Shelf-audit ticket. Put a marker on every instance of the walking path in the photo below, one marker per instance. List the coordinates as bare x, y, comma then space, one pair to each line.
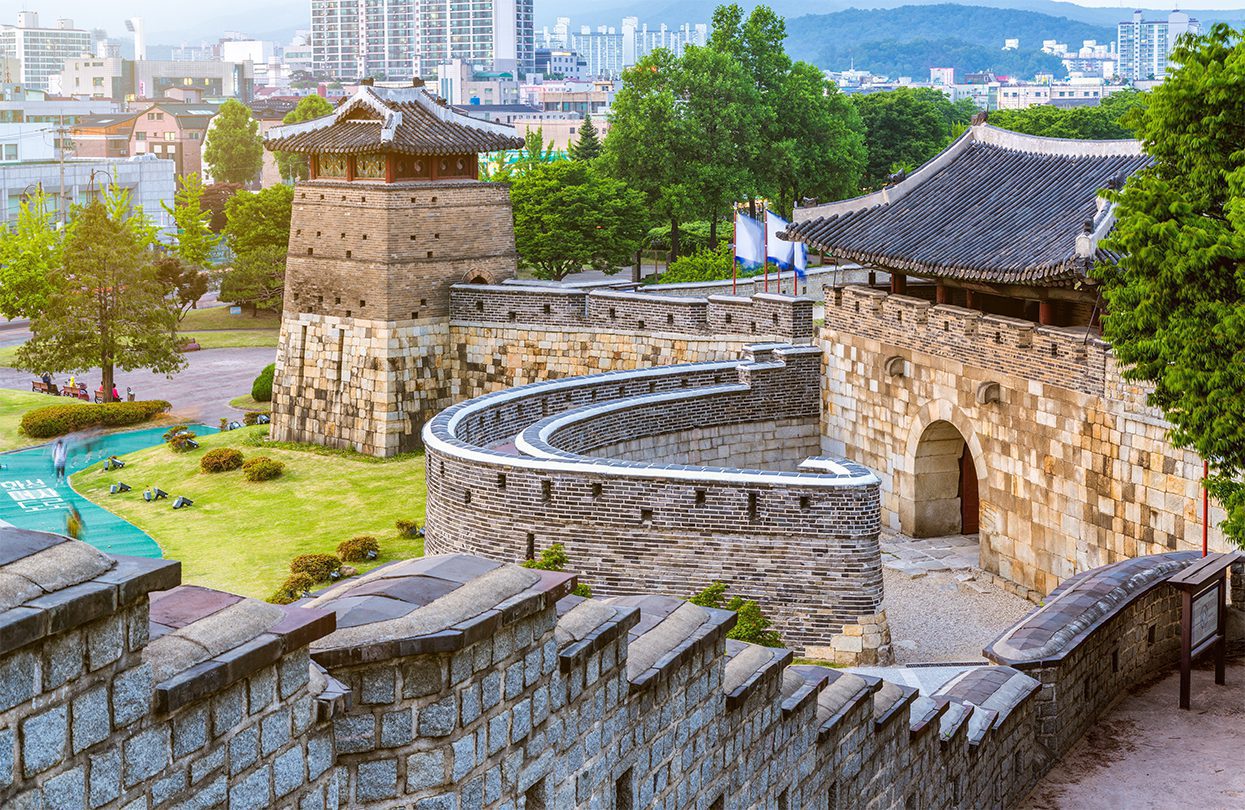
31, 497
200, 392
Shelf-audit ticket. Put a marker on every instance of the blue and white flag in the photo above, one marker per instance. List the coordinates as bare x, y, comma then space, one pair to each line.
801, 259
749, 242
780, 251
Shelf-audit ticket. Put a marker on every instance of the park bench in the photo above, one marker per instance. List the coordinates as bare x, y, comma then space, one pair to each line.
44, 388
77, 393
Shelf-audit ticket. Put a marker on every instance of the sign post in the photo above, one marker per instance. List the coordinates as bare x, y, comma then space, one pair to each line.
1203, 590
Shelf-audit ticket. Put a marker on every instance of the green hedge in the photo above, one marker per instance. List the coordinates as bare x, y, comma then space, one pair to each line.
262, 468
57, 420
222, 459
261, 389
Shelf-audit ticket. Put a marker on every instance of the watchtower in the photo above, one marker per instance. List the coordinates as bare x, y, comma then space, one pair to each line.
392, 216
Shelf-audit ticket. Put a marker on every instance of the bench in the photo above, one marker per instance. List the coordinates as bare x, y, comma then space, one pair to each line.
77, 393
41, 387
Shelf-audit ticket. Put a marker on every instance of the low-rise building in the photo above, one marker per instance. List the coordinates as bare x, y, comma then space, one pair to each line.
150, 182
173, 131
103, 136
127, 79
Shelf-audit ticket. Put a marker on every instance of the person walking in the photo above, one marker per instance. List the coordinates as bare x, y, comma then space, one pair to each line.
60, 455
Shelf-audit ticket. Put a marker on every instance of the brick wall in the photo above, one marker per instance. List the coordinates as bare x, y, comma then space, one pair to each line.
1074, 471
804, 545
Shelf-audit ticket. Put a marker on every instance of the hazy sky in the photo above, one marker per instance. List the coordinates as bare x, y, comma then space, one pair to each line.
266, 15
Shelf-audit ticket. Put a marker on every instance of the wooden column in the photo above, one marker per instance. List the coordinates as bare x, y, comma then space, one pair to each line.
970, 300
899, 283
349, 167
942, 294
391, 169
1046, 313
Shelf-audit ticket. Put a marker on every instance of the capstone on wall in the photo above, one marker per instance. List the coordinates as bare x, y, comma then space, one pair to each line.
1073, 469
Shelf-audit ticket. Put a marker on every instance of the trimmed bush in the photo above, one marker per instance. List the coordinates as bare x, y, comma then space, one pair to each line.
261, 389
250, 418
222, 459
262, 468
407, 528
180, 439
317, 566
292, 589
57, 420
359, 549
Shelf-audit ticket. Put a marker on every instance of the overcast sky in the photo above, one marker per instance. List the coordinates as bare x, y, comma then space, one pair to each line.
213, 17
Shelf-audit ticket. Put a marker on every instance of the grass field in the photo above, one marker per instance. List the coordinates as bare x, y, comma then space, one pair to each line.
248, 403
235, 339
12, 405
219, 318
239, 536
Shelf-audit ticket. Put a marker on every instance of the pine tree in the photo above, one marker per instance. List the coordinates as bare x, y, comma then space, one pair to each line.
234, 150
589, 145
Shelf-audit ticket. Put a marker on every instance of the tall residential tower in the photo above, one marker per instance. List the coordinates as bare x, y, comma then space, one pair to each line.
1144, 45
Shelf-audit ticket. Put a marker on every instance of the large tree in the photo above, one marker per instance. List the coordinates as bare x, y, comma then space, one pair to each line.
234, 150
568, 216
1112, 119
295, 165
588, 145
1175, 301
258, 233
906, 127
108, 309
28, 254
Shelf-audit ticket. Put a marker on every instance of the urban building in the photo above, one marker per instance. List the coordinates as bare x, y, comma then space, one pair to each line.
1144, 45
262, 54
28, 142
19, 104
149, 181
494, 35
500, 113
593, 98
41, 52
560, 64
173, 131
944, 76
103, 136
459, 82
128, 80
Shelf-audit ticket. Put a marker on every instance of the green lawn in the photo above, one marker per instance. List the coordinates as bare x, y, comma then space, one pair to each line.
235, 339
239, 536
248, 403
219, 318
12, 405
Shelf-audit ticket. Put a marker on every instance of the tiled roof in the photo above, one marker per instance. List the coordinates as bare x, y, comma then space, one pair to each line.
994, 206
407, 121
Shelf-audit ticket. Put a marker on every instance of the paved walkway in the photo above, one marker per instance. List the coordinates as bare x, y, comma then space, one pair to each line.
1147, 753
200, 392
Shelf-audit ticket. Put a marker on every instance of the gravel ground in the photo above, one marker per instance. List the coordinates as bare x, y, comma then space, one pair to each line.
936, 617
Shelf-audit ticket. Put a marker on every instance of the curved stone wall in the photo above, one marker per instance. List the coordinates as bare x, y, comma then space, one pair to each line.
513, 472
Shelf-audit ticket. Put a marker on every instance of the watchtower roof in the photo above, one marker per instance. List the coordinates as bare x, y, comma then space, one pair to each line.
994, 206
403, 120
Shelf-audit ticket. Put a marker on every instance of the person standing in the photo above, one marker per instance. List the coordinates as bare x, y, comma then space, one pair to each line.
60, 454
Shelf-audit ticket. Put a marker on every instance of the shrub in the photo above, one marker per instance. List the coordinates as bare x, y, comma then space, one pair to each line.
222, 459
359, 549
317, 566
751, 625
57, 420
250, 418
407, 528
261, 389
554, 559
292, 589
180, 439
262, 468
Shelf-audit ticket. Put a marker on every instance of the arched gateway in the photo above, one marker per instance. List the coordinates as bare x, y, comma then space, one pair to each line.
945, 498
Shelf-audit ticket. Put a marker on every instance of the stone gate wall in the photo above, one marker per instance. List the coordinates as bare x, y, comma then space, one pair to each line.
1074, 470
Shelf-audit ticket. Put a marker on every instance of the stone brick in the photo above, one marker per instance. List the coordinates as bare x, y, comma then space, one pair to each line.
292, 673
91, 722
426, 770
288, 771
66, 791
355, 734
145, 754
396, 729
18, 675
131, 695
228, 709
105, 642
44, 739
163, 790
275, 731
378, 685
243, 750
8, 756
438, 719
377, 780
262, 690
105, 778
319, 755
62, 660
252, 792
190, 731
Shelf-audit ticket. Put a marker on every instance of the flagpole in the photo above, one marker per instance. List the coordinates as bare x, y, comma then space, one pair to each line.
734, 247
765, 242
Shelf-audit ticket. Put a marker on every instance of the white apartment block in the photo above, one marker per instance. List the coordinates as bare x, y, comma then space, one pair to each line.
41, 52
1144, 45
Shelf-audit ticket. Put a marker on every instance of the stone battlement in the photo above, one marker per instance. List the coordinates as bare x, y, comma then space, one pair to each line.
689, 473
455, 681
765, 316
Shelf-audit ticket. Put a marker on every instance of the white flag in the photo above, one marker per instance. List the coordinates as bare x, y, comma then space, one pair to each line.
781, 252
749, 242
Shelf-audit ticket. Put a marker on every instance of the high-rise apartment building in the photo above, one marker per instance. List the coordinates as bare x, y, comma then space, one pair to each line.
1144, 45
398, 39
41, 52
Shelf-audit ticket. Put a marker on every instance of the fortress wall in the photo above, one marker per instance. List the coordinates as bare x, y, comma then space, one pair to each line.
1074, 470
803, 544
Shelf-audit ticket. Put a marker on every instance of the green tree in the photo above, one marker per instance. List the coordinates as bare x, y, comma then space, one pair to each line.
1175, 302
568, 216
184, 284
295, 165
234, 150
751, 624
644, 147
588, 147
108, 311
258, 233
194, 245
554, 559
28, 254
1109, 120
906, 127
